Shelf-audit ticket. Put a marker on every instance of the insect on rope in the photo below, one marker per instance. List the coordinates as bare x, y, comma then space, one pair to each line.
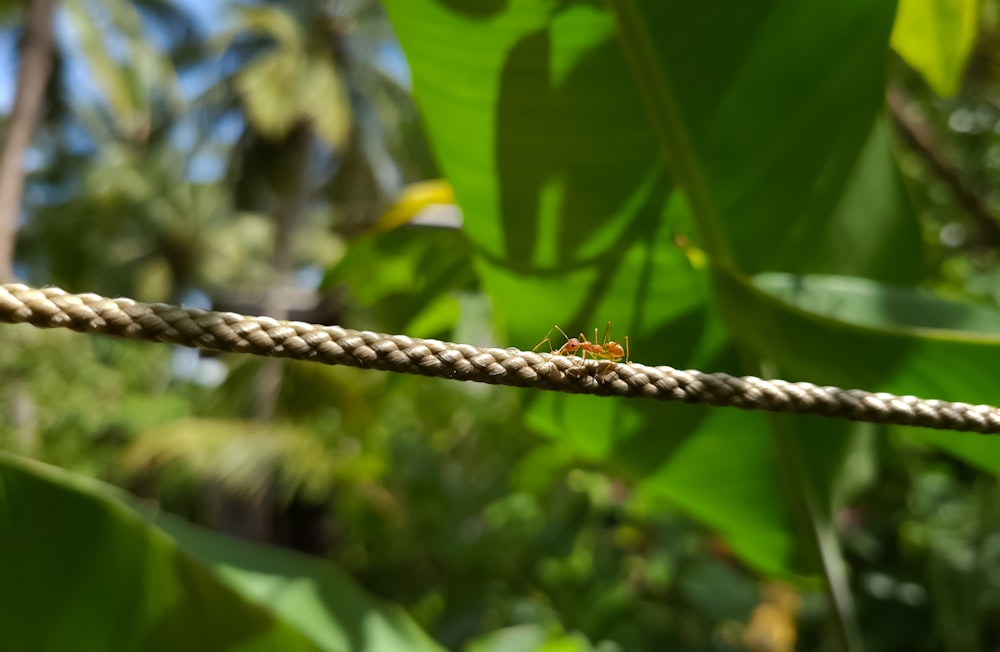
607, 352
608, 349
597, 371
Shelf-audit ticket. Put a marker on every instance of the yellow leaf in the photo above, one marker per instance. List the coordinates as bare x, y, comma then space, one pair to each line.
414, 198
936, 37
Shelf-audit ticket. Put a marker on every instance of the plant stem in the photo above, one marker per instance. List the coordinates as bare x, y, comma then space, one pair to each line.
656, 91
816, 529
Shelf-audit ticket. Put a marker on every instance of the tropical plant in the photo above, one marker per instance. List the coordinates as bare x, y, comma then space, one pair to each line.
725, 191
720, 182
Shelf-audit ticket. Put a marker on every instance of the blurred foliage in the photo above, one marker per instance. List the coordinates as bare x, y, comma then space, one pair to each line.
44, 415
259, 598
505, 520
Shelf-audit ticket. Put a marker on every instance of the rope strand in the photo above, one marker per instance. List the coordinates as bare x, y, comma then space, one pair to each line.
231, 332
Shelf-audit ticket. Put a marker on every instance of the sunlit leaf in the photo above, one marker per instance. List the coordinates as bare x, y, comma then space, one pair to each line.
936, 38
413, 199
419, 269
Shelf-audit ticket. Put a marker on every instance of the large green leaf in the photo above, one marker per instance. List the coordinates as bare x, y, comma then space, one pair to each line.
542, 128
85, 570
856, 332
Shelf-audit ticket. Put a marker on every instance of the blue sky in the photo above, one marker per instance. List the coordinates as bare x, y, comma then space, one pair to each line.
209, 14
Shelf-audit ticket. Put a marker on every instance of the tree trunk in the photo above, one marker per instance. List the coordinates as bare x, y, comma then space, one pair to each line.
32, 76
286, 216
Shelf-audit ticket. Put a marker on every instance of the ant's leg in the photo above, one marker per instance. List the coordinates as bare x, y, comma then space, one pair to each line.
587, 347
548, 340
607, 333
545, 341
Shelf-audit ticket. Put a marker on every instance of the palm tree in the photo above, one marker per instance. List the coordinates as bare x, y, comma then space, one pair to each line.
308, 101
130, 100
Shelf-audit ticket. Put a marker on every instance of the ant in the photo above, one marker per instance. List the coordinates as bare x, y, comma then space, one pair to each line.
608, 349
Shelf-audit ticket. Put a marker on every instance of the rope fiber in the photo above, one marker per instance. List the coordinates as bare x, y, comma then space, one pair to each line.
52, 307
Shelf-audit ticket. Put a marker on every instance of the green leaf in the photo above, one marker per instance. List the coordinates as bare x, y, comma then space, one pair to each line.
936, 38
83, 569
420, 269
857, 333
853, 332
529, 638
543, 126
309, 593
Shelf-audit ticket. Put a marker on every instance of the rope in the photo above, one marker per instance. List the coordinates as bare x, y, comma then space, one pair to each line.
230, 332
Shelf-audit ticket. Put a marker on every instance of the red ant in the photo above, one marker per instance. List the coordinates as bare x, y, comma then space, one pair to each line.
607, 350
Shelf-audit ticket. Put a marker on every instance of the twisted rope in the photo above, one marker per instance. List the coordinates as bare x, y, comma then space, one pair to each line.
226, 331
